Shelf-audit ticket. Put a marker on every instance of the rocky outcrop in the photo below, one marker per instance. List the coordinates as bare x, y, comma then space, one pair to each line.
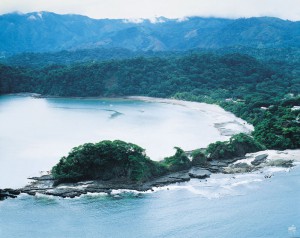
47, 184
8, 193
199, 173
256, 161
259, 159
169, 179
238, 168
281, 163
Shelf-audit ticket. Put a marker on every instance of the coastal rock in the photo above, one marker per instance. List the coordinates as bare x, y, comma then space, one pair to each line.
71, 190
46, 184
68, 193
216, 166
199, 173
241, 165
170, 178
12, 191
8, 193
43, 177
215, 169
218, 163
281, 163
259, 159
238, 168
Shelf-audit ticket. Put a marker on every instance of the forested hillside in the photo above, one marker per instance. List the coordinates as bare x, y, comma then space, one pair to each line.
69, 57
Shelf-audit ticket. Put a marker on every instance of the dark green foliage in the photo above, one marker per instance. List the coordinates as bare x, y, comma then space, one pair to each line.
107, 160
200, 76
128, 162
277, 126
38, 60
177, 162
198, 158
237, 146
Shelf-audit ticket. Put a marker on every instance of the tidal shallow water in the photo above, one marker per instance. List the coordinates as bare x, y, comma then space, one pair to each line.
36, 133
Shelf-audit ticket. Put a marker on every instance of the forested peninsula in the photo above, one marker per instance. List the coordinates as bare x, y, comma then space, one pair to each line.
112, 165
107, 165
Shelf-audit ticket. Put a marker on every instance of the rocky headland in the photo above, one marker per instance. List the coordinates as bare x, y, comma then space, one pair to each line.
46, 184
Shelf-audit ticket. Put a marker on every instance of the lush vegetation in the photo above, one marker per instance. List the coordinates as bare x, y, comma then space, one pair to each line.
277, 126
107, 160
237, 146
199, 158
40, 60
262, 91
127, 162
201, 77
179, 161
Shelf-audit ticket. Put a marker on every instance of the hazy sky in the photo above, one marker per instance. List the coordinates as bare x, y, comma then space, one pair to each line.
286, 9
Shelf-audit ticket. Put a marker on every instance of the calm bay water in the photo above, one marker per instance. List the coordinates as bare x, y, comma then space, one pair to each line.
35, 133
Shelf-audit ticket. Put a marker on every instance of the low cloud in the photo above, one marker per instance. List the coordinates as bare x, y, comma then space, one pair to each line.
135, 9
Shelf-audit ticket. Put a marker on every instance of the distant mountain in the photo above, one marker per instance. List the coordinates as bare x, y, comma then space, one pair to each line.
45, 31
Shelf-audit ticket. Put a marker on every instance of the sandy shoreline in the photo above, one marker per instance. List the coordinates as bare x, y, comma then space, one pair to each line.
227, 125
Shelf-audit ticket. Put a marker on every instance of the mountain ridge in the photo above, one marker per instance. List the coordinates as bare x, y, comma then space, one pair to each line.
49, 32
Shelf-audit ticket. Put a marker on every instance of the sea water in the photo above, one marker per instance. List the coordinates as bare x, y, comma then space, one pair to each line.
245, 206
36, 132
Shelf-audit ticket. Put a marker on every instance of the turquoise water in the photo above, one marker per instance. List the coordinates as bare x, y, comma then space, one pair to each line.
35, 133
262, 209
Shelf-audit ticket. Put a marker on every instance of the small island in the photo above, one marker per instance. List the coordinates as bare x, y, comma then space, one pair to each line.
109, 165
